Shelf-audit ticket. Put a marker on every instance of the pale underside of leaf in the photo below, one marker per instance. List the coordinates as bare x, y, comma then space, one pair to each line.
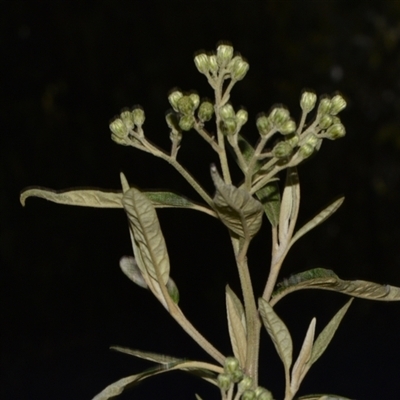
147, 234
131, 269
357, 288
236, 208
236, 326
108, 199
278, 332
317, 220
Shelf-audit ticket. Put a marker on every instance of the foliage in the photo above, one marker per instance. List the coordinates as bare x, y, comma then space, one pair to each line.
270, 188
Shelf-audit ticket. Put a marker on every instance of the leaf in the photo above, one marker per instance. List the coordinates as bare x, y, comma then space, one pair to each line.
300, 369
130, 268
236, 326
322, 397
198, 397
278, 332
110, 199
317, 220
173, 290
325, 337
147, 234
236, 208
146, 355
320, 278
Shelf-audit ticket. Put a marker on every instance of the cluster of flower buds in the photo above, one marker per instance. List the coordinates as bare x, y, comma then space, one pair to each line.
232, 122
259, 393
277, 121
126, 122
223, 62
184, 105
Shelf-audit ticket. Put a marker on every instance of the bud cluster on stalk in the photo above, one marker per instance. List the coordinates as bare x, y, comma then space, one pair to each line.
127, 121
232, 122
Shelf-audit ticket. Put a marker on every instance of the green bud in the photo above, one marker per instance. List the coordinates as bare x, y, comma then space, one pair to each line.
338, 104
307, 101
282, 150
186, 122
195, 100
226, 112
118, 128
312, 140
288, 127
231, 365
229, 126
212, 62
248, 395
279, 116
224, 382
138, 116
263, 394
126, 117
185, 105
306, 150
241, 117
237, 376
224, 54
238, 69
245, 384
206, 111
336, 131
264, 125
293, 140
173, 99
201, 62
324, 106
325, 121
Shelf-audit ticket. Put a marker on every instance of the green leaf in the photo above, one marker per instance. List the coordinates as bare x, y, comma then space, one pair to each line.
146, 230
278, 332
327, 334
322, 397
317, 220
146, 355
236, 208
236, 326
173, 290
324, 279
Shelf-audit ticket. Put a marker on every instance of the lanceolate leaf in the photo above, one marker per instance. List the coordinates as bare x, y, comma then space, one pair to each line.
317, 220
147, 235
104, 199
326, 335
322, 397
236, 208
320, 278
236, 326
278, 332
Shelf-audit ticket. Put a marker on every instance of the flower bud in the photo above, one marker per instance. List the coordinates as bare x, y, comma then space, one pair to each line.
248, 395
336, 131
263, 394
241, 117
288, 127
307, 101
324, 106
264, 125
226, 112
195, 100
325, 121
185, 105
201, 62
138, 116
312, 140
245, 384
206, 111
231, 365
224, 54
293, 140
224, 382
212, 62
239, 69
127, 119
282, 150
279, 116
237, 376
229, 126
173, 99
118, 128
306, 150
186, 122
338, 104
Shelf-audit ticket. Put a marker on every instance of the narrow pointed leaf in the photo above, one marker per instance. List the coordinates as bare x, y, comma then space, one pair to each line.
317, 220
300, 369
147, 235
320, 278
147, 355
325, 337
322, 397
198, 397
124, 182
278, 332
236, 208
236, 326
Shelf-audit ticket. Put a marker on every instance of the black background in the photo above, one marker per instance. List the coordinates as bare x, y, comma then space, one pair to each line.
68, 68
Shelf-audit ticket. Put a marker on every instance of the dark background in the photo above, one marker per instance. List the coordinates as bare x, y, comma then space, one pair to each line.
67, 68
